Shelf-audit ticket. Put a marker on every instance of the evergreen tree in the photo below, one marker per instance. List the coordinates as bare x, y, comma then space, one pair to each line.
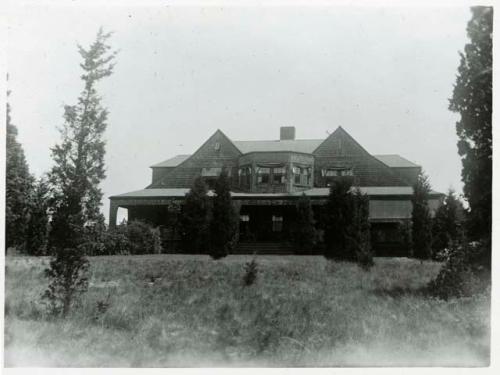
304, 233
195, 218
75, 178
338, 218
224, 221
446, 223
67, 273
18, 187
79, 158
472, 99
358, 232
38, 223
421, 218
470, 261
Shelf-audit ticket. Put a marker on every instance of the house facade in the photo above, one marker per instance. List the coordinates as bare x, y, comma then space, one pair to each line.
267, 178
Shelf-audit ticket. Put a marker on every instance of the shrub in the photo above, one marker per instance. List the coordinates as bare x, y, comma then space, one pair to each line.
251, 271
462, 275
142, 238
68, 279
116, 241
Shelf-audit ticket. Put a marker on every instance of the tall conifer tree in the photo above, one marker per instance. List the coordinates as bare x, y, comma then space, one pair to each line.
304, 233
421, 218
338, 218
446, 224
75, 178
224, 222
18, 187
79, 157
472, 99
195, 218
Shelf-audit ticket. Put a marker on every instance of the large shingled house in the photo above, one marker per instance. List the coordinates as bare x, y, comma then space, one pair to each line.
268, 177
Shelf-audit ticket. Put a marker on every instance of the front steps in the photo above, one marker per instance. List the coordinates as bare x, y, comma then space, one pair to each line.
264, 248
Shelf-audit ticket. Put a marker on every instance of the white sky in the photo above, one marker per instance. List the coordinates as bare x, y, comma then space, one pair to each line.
384, 73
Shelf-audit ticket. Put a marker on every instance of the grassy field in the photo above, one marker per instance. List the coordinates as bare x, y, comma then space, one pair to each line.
179, 310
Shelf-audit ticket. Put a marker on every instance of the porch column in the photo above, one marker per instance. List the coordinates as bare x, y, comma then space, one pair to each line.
113, 211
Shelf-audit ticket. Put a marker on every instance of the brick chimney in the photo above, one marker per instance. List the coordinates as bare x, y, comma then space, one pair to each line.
287, 133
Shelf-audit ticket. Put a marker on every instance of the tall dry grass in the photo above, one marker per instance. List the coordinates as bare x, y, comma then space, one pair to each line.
178, 310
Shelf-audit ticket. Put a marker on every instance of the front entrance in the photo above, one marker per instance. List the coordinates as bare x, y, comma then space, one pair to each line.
266, 223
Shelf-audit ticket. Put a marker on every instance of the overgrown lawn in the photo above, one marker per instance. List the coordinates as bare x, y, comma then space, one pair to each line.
180, 310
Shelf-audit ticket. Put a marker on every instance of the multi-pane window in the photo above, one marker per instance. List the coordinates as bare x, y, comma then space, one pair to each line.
301, 175
336, 172
278, 175
277, 223
245, 176
211, 172
263, 174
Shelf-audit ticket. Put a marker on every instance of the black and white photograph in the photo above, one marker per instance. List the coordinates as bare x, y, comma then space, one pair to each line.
215, 184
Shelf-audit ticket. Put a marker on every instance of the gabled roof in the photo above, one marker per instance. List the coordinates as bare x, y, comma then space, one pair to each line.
172, 162
297, 145
396, 161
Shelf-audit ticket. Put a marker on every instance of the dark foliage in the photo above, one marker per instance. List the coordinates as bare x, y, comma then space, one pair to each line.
224, 220
38, 223
135, 237
358, 232
142, 238
67, 280
404, 234
18, 189
304, 234
79, 158
338, 218
446, 225
462, 275
467, 269
421, 219
251, 271
75, 178
472, 99
195, 218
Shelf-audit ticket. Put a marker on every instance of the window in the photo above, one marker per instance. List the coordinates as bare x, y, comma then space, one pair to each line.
337, 172
263, 175
244, 218
302, 175
278, 175
211, 172
245, 176
277, 223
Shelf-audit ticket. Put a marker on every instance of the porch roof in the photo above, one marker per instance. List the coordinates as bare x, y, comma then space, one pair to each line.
373, 191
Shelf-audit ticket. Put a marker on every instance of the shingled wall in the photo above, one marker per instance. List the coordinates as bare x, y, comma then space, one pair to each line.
207, 156
341, 150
